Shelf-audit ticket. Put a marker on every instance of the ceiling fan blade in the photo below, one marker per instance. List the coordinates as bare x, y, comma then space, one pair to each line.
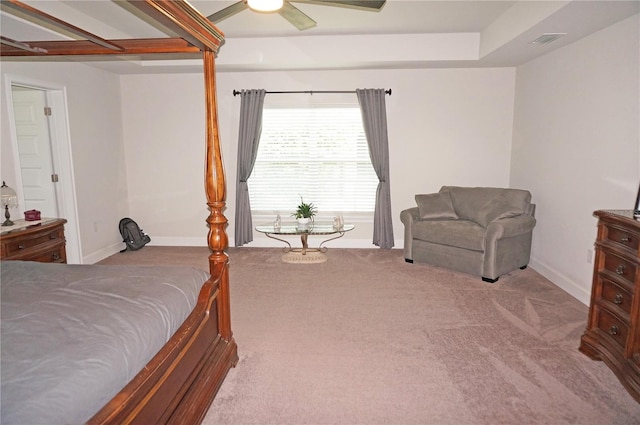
370, 5
228, 12
296, 17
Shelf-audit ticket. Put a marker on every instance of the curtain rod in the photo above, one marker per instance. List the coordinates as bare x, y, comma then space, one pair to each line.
311, 92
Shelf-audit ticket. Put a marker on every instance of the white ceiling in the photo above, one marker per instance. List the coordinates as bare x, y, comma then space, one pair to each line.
407, 34
396, 17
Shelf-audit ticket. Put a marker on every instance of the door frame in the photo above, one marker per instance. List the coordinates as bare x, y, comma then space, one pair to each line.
56, 98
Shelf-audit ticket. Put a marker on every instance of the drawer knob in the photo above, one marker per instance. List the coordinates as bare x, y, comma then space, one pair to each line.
53, 236
55, 256
20, 246
620, 269
618, 299
625, 239
614, 330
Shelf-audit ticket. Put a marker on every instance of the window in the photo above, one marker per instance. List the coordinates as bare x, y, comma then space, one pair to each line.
318, 153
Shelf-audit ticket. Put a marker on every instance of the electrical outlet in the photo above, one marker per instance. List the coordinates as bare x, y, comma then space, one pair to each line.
95, 227
589, 256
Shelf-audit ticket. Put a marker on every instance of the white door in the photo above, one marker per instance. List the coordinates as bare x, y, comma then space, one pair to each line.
34, 148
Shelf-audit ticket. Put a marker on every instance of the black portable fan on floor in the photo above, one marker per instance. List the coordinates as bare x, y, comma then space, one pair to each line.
294, 15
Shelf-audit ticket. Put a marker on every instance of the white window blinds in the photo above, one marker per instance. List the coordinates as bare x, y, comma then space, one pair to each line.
318, 153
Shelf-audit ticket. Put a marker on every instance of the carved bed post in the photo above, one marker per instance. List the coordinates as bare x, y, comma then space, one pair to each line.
215, 187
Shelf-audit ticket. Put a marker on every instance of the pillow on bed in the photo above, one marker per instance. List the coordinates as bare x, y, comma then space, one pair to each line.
499, 207
436, 206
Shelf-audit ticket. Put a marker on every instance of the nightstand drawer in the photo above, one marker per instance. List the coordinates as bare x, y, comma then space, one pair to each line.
18, 245
56, 255
615, 294
613, 327
623, 237
620, 267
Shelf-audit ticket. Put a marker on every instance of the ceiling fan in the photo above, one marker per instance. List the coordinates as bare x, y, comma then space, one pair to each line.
291, 13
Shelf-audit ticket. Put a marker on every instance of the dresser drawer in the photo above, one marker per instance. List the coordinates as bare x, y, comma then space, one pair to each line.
623, 237
614, 327
15, 246
620, 267
615, 294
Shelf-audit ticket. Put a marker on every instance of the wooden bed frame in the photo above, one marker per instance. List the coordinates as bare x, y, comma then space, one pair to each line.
180, 382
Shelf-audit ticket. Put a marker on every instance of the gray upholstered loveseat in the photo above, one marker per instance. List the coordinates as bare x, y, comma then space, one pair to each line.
483, 231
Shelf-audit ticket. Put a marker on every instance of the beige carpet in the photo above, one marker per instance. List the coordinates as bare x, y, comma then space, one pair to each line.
366, 338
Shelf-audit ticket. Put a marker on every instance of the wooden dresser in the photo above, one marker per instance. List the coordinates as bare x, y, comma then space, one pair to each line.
41, 241
613, 328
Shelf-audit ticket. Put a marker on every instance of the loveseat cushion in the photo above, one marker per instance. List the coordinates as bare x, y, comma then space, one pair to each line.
459, 233
436, 206
486, 204
502, 206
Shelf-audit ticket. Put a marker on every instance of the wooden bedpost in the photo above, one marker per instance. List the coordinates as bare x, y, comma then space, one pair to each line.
215, 187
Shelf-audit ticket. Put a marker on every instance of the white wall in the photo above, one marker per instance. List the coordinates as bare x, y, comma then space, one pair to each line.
446, 126
95, 129
576, 146
164, 130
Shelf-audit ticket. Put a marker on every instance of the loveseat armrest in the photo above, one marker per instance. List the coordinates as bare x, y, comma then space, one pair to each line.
408, 217
507, 245
510, 227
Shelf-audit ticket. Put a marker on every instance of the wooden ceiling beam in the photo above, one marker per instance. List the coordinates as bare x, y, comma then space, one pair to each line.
32, 14
84, 47
196, 32
181, 18
20, 46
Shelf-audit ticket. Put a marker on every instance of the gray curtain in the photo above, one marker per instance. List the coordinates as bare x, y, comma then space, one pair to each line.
374, 118
248, 138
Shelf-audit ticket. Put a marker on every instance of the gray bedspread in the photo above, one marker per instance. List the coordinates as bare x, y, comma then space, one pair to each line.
73, 335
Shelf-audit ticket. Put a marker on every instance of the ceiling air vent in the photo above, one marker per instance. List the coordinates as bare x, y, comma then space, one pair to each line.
548, 38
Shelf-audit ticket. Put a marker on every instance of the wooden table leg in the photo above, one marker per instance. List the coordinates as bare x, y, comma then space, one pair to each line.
303, 238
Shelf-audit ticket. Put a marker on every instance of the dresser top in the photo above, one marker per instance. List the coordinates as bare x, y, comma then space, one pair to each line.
22, 224
623, 217
623, 213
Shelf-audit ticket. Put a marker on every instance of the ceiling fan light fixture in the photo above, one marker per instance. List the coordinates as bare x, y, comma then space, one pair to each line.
265, 5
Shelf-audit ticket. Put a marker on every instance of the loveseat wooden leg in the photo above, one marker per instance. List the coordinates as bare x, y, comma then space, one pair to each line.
486, 279
408, 260
523, 267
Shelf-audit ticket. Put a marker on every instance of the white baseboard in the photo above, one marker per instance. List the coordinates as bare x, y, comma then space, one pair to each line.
178, 241
102, 254
562, 281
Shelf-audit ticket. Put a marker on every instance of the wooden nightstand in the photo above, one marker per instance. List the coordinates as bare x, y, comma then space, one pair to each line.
613, 329
41, 240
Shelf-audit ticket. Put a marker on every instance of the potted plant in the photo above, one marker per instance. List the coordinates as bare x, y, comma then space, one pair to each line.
304, 212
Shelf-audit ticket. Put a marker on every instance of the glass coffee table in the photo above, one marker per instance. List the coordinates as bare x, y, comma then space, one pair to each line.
304, 254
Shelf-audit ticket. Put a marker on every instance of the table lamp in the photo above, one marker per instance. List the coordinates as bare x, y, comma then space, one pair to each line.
9, 200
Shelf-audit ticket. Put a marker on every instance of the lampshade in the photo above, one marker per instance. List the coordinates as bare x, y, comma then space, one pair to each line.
8, 196
265, 5
9, 199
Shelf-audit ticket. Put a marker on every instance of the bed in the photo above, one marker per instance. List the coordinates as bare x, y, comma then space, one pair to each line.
179, 382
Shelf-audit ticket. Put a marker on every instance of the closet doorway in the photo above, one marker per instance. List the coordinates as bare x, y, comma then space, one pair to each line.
37, 170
